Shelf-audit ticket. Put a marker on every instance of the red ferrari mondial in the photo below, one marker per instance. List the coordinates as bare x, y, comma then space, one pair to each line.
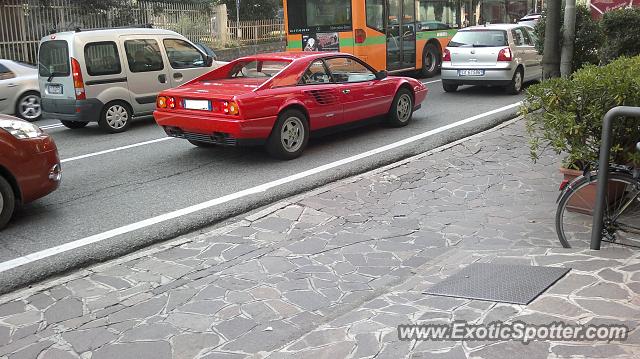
278, 99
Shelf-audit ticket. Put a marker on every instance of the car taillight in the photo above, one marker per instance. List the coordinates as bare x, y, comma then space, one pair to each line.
161, 102
230, 108
166, 102
505, 54
78, 82
446, 56
361, 36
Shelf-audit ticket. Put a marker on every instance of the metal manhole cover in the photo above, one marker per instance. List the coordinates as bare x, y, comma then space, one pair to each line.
515, 284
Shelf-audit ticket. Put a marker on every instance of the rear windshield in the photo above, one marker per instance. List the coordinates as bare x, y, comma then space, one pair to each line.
479, 38
54, 58
256, 69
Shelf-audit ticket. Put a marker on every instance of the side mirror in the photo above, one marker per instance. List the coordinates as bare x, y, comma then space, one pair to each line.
380, 75
209, 61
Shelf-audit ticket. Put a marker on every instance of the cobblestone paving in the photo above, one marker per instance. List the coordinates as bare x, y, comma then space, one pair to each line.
330, 274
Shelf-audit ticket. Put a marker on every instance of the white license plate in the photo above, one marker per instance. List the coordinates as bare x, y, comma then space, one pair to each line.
197, 105
54, 89
471, 72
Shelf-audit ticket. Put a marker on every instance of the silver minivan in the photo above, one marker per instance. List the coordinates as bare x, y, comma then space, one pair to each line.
499, 55
113, 75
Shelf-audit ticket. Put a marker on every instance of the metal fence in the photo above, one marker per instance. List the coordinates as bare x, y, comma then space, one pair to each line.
251, 32
24, 22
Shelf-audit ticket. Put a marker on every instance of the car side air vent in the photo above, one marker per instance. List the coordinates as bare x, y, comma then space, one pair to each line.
323, 97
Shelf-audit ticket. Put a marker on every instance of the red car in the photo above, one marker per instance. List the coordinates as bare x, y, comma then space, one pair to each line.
29, 165
278, 99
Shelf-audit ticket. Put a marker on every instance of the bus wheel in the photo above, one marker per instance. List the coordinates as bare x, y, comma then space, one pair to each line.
431, 60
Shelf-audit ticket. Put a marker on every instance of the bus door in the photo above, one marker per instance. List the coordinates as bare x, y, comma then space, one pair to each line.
401, 34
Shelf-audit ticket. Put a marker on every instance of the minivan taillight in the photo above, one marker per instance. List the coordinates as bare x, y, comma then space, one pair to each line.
505, 54
361, 36
446, 56
78, 82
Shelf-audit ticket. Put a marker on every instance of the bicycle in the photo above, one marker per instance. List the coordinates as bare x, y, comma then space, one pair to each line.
622, 212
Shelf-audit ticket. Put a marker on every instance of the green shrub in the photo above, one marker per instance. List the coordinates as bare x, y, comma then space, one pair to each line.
588, 37
621, 29
565, 114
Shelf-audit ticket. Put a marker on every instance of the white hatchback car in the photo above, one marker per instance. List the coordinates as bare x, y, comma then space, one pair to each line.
499, 55
19, 92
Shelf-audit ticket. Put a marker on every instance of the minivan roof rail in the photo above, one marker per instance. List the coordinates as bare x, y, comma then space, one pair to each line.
80, 29
135, 26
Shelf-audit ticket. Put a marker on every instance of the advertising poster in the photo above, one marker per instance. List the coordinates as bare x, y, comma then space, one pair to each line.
322, 41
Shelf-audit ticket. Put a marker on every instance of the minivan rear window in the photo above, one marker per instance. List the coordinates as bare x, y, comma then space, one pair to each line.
54, 58
479, 38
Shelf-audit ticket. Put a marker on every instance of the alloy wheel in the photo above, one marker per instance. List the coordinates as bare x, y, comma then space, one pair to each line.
518, 81
292, 134
30, 108
404, 107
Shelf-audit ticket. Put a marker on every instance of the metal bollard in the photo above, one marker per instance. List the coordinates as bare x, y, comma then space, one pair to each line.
603, 166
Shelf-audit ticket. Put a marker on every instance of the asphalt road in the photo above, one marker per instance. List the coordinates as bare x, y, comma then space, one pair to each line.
104, 192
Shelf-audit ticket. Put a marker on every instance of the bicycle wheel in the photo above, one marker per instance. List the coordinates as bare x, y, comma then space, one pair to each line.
574, 216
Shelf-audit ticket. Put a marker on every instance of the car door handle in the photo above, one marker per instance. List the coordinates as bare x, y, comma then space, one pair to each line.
12, 85
177, 75
346, 91
162, 78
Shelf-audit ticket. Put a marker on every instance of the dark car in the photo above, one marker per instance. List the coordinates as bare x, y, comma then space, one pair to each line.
29, 165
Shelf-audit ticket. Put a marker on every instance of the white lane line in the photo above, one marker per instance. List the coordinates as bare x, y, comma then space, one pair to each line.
48, 127
431, 82
29, 258
116, 149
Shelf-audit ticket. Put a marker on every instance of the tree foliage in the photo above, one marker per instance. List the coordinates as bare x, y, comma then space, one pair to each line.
621, 29
565, 114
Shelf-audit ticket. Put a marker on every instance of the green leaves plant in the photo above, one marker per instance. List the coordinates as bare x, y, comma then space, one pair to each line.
565, 114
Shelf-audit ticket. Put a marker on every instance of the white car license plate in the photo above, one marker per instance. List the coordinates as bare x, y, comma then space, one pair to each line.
471, 72
197, 105
54, 89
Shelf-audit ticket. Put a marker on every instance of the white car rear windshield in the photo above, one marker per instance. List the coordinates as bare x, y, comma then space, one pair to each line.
479, 38
53, 59
256, 69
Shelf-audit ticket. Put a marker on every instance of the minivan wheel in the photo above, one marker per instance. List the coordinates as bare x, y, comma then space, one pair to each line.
289, 136
115, 118
7, 202
515, 86
74, 124
28, 106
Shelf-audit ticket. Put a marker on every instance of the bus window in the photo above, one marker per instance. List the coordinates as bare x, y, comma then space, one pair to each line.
375, 14
437, 14
319, 15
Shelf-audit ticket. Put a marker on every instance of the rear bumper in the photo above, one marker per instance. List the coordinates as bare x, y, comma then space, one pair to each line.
492, 76
222, 131
72, 110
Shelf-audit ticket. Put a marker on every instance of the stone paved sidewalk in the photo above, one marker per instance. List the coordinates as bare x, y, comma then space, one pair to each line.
330, 274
